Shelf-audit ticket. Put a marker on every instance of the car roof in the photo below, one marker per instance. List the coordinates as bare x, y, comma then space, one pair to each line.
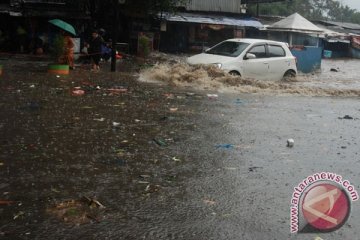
252, 40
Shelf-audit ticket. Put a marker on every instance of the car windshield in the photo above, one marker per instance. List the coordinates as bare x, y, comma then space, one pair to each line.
228, 48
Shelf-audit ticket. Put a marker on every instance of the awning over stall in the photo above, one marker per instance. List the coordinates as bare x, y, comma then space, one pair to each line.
211, 19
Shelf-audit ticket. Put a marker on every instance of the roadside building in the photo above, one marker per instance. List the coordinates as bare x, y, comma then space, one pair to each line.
195, 32
202, 23
303, 38
343, 39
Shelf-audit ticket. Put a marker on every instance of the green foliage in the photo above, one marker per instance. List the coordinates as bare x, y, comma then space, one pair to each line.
144, 46
57, 48
311, 9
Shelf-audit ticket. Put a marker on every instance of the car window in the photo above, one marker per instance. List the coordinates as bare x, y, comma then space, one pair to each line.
276, 51
259, 51
228, 48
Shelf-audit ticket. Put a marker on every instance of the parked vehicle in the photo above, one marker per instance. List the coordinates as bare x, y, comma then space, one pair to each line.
250, 58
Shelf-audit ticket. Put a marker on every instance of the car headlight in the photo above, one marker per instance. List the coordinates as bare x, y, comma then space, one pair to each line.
219, 65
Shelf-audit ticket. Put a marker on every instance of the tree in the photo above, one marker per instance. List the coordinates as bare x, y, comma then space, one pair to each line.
311, 9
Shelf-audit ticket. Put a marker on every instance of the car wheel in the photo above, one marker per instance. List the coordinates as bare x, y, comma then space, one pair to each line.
289, 76
235, 73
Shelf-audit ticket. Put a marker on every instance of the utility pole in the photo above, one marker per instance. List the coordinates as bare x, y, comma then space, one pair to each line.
114, 34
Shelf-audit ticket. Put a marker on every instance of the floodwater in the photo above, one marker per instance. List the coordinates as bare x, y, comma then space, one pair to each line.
336, 78
165, 161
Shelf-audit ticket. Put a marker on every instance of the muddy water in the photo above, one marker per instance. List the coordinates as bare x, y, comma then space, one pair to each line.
325, 82
121, 143
152, 155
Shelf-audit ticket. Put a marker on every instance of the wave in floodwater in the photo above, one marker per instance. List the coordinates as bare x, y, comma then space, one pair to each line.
326, 82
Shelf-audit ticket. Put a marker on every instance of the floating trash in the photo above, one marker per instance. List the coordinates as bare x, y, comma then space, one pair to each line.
99, 119
115, 124
226, 146
151, 188
252, 169
82, 211
290, 143
175, 159
78, 92
117, 89
209, 202
159, 142
346, 117
212, 96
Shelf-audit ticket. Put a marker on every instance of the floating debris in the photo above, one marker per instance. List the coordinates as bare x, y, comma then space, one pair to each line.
347, 117
290, 142
226, 146
175, 159
212, 96
19, 214
117, 89
159, 142
144, 176
99, 119
78, 92
143, 182
92, 202
115, 124
84, 210
209, 202
169, 95
6, 202
252, 169
151, 188
230, 168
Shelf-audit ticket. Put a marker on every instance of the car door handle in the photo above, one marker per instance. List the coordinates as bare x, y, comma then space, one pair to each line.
266, 63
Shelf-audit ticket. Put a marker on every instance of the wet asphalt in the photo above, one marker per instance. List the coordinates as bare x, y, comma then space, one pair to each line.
166, 162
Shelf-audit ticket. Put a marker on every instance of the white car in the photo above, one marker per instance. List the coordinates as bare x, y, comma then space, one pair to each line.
250, 58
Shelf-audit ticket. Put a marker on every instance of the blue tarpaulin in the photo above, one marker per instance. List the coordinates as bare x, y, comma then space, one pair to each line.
308, 59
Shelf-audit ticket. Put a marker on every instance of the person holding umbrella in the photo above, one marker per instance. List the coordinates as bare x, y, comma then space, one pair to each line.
68, 48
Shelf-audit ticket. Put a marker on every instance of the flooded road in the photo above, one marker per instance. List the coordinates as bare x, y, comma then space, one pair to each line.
336, 78
166, 162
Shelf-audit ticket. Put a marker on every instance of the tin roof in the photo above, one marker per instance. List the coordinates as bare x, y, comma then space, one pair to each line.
212, 19
345, 25
295, 23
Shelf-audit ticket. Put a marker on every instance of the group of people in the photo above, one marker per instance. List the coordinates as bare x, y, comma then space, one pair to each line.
94, 50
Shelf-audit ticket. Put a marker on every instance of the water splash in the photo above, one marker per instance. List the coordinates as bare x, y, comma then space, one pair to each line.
323, 83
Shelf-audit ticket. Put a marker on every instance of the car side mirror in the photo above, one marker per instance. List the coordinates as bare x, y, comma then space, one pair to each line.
250, 56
